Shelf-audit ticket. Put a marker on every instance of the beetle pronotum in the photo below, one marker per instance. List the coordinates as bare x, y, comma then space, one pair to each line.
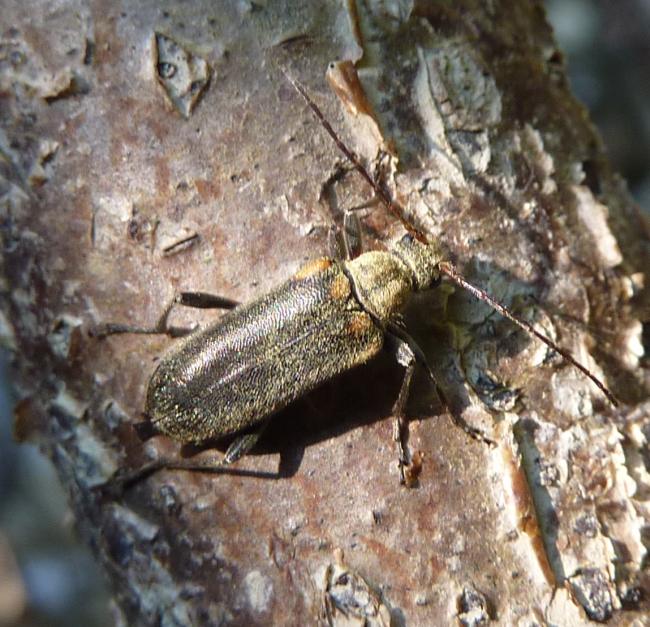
332, 315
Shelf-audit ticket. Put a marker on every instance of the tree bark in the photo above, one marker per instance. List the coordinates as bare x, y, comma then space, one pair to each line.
150, 148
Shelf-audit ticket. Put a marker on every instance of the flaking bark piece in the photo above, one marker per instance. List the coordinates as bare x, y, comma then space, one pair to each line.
349, 600
184, 76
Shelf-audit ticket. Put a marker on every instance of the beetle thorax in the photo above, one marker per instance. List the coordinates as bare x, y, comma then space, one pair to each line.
383, 281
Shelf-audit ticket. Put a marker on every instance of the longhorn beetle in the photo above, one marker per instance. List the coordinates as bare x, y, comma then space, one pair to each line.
329, 317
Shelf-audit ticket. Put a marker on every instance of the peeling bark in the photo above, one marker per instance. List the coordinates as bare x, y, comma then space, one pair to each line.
112, 201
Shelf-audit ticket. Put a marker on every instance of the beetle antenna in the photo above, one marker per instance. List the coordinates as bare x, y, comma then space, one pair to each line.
390, 204
445, 267
449, 270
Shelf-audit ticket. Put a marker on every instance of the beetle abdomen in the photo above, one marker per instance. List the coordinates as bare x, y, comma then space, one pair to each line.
260, 357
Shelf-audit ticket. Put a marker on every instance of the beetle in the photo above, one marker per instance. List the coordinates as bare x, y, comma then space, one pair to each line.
332, 315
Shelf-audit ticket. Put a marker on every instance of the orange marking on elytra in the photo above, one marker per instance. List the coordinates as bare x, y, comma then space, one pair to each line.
314, 267
359, 323
340, 288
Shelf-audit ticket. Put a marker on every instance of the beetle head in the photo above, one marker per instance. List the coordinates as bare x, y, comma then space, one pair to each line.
421, 259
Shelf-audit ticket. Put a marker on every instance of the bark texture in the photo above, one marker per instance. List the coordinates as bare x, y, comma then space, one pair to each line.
152, 147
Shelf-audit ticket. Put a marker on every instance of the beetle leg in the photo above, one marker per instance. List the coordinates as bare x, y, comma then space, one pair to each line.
399, 333
244, 443
334, 244
352, 242
345, 243
406, 357
198, 300
203, 300
124, 479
